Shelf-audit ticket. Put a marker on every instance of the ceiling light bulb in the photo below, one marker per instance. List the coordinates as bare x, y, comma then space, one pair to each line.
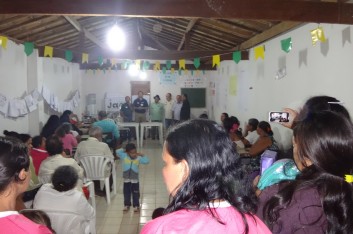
143, 75
116, 38
133, 70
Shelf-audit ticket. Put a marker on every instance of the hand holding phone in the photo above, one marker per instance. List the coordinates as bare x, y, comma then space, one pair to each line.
278, 116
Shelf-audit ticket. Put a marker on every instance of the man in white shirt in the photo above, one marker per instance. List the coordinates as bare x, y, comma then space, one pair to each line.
177, 108
250, 135
94, 146
168, 110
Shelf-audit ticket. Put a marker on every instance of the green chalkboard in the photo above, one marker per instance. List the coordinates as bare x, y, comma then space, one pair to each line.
196, 96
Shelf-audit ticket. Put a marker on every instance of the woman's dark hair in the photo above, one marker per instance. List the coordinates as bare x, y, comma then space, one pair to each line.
54, 145
203, 116
225, 115
50, 126
214, 169
37, 141
64, 178
129, 147
185, 95
24, 137
13, 158
37, 216
65, 117
158, 212
231, 125
11, 134
326, 139
253, 123
63, 129
266, 127
322, 103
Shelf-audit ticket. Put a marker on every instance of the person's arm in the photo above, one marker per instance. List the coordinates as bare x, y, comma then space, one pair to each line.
121, 153
260, 145
85, 209
143, 158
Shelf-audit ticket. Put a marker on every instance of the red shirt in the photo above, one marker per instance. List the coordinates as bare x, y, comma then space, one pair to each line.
38, 155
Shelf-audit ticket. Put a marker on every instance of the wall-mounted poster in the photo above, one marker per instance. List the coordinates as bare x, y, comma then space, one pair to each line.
167, 78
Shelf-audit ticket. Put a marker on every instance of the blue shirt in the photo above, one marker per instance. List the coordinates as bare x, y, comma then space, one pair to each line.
131, 166
140, 103
126, 109
108, 125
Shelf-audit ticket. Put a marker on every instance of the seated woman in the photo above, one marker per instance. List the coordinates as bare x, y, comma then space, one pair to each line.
50, 126
62, 196
265, 141
208, 194
67, 138
71, 118
231, 126
320, 199
38, 152
15, 176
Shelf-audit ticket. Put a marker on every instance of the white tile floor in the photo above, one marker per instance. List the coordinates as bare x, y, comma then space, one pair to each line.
111, 218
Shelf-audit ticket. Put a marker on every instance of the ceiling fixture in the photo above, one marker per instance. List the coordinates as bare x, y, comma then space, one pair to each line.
116, 38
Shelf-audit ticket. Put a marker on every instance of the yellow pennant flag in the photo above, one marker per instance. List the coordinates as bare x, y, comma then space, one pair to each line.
259, 52
84, 58
197, 72
157, 66
182, 64
172, 70
317, 35
138, 64
3, 42
48, 51
216, 60
186, 72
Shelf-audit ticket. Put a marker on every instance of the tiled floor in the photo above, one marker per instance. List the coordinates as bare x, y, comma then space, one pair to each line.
112, 219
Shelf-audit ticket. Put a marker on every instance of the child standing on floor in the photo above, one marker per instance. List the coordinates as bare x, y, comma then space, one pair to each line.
131, 160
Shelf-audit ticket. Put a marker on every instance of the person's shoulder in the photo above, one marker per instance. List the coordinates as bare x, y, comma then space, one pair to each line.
21, 224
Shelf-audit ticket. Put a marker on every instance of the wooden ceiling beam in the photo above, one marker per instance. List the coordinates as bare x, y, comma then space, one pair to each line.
87, 33
284, 10
187, 32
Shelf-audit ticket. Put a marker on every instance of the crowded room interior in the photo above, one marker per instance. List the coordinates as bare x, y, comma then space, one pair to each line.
197, 117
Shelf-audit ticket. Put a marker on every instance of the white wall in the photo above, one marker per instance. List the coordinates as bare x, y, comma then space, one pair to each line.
324, 69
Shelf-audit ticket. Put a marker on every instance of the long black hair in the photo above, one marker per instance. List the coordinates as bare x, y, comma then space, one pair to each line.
214, 169
326, 139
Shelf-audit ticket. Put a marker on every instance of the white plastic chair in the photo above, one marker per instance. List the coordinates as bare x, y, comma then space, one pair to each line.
95, 168
70, 223
92, 194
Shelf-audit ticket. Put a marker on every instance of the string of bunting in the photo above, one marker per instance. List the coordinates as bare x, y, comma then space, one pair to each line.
317, 35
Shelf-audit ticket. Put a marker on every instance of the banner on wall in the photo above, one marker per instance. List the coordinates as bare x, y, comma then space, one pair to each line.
113, 102
167, 78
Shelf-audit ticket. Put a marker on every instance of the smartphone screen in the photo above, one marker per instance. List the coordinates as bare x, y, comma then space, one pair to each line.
278, 116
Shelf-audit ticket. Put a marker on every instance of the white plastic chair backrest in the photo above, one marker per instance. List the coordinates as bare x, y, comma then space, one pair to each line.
68, 222
95, 165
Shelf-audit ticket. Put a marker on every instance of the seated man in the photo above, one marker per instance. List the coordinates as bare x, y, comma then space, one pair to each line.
94, 146
108, 127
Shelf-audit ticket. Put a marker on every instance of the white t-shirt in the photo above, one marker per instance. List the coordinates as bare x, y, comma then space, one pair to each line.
252, 137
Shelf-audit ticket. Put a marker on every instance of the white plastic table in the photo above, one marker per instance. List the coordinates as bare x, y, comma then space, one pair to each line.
151, 124
134, 125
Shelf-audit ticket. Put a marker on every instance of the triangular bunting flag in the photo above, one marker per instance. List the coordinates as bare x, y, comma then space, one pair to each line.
192, 72
286, 44
259, 52
197, 63
48, 51
179, 72
216, 60
157, 66
164, 70
85, 58
113, 61
186, 72
146, 65
317, 35
100, 60
68, 55
29, 46
169, 64
182, 64
3, 42
197, 72
172, 70
138, 64
236, 56
203, 72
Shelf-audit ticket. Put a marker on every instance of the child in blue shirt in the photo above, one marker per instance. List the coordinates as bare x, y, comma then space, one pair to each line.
131, 160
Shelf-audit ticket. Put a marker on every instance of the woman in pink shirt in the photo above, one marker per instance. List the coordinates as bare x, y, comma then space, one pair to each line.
208, 191
68, 140
14, 180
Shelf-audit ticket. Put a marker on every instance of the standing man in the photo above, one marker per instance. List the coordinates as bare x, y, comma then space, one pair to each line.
140, 108
156, 113
176, 109
168, 110
126, 110
185, 109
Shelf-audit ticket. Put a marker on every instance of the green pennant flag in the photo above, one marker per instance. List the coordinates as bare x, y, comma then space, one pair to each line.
192, 72
197, 63
286, 44
29, 46
179, 72
146, 65
203, 72
164, 70
68, 55
237, 56
169, 64
94, 71
100, 60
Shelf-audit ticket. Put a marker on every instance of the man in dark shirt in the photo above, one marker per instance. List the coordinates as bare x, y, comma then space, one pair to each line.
140, 108
126, 110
